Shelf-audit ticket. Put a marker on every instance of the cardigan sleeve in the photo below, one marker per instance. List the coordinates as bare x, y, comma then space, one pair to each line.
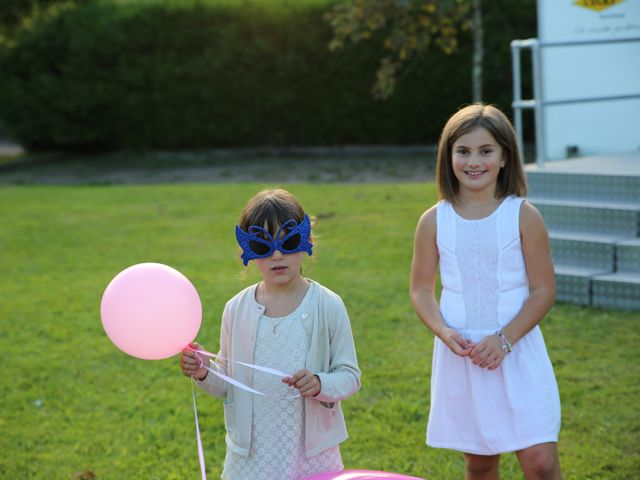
342, 378
213, 384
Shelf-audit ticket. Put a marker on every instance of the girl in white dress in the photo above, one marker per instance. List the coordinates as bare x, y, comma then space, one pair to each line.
287, 323
493, 389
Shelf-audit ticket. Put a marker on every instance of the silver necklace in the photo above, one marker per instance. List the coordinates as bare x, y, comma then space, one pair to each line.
276, 323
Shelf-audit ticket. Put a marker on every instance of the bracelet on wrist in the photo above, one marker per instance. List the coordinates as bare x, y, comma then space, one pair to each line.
506, 344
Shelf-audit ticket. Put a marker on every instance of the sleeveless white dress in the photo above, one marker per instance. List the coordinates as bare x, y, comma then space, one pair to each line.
484, 285
277, 434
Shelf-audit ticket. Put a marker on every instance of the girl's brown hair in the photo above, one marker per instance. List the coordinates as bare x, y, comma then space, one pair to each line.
511, 179
270, 209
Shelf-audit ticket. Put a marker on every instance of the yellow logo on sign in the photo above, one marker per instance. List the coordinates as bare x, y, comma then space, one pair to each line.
597, 5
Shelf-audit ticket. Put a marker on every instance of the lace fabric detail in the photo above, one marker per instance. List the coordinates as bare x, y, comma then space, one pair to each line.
477, 252
277, 435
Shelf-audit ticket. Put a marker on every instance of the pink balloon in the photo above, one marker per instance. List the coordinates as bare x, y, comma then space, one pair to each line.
360, 475
151, 311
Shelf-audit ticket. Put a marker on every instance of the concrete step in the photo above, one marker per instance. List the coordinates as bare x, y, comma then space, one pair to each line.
628, 256
619, 290
568, 217
573, 284
583, 251
584, 186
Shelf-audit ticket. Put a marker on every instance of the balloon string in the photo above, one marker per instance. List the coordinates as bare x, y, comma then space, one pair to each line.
236, 383
203, 470
271, 371
242, 386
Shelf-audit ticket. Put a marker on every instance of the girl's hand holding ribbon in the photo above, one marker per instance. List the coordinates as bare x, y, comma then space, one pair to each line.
193, 364
306, 382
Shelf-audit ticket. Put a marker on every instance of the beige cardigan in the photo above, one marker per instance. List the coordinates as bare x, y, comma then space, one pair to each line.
331, 356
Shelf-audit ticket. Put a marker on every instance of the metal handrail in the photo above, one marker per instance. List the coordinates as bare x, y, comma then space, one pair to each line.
535, 103
538, 102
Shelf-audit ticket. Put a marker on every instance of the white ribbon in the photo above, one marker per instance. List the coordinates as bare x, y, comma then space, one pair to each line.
234, 382
240, 385
269, 370
203, 470
228, 379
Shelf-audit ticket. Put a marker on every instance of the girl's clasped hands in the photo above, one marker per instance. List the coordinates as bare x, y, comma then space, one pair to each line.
488, 353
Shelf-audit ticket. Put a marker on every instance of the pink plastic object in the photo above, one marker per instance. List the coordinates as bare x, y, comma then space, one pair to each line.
151, 311
361, 475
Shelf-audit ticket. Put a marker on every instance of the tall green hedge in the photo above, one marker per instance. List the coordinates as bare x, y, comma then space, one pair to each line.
197, 74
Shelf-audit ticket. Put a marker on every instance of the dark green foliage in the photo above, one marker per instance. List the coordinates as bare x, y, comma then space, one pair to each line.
13, 11
184, 74
504, 21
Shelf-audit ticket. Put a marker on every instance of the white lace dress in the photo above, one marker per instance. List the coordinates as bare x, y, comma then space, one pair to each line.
277, 434
484, 285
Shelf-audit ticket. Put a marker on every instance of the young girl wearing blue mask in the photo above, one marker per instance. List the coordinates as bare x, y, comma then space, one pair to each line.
493, 389
287, 323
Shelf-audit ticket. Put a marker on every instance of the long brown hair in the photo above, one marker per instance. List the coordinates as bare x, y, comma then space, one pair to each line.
511, 179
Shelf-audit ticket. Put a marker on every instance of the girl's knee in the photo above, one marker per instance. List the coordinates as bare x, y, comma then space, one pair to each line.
540, 462
541, 469
480, 466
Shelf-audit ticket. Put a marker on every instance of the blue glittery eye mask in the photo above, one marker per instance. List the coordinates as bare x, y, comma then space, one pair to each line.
257, 242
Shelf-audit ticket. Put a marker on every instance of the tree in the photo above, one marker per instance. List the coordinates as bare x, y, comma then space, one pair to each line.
478, 51
13, 11
407, 29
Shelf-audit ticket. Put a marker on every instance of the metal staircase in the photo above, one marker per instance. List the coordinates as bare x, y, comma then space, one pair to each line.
592, 209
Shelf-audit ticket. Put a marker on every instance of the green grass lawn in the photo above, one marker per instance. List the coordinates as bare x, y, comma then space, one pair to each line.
72, 403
